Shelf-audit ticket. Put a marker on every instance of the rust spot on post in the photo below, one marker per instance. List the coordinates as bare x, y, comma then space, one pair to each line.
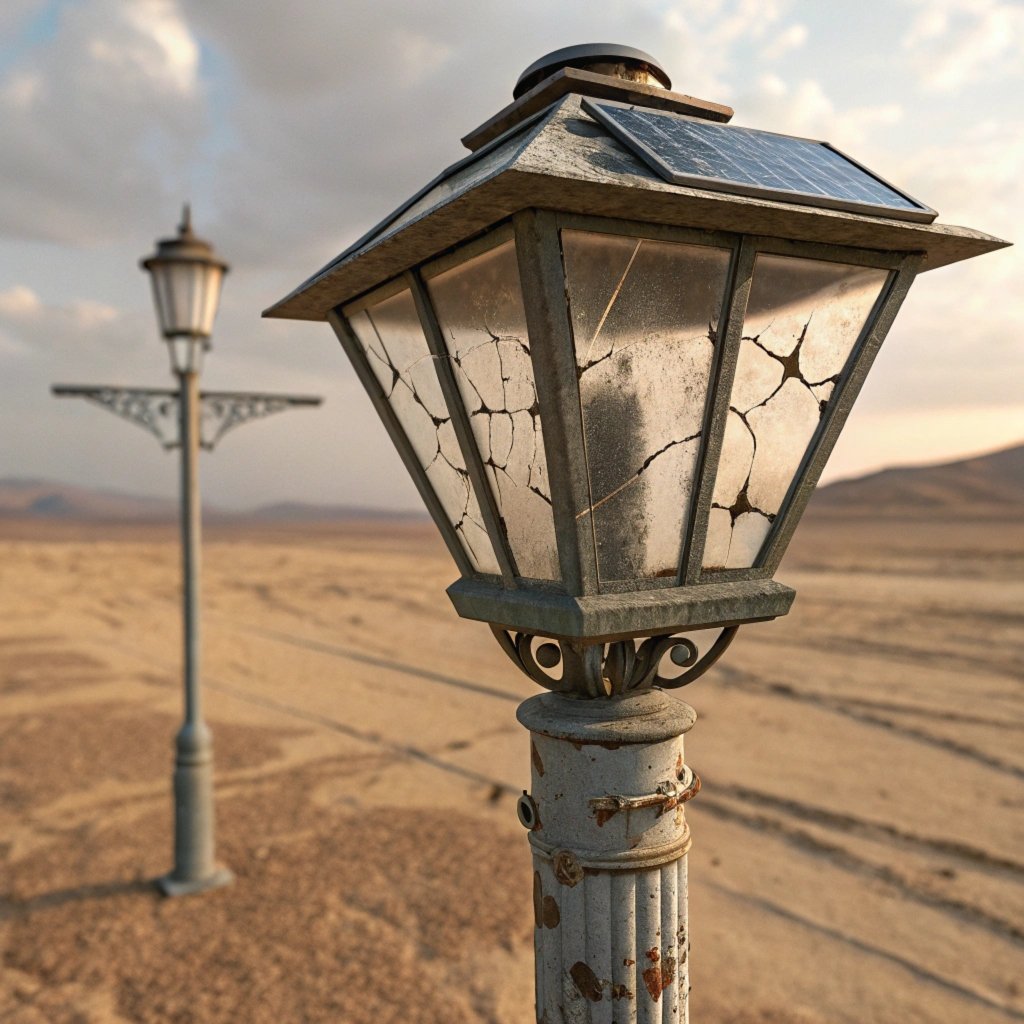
567, 868
660, 974
585, 981
535, 758
538, 900
605, 814
550, 914
620, 992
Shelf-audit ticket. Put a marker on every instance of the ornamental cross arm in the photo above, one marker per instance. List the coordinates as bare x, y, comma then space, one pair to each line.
156, 410
222, 411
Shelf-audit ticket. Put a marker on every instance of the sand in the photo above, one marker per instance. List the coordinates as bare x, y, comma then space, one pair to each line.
858, 843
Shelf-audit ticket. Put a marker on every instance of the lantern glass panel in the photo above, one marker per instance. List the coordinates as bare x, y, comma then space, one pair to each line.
479, 308
390, 334
645, 317
803, 320
186, 294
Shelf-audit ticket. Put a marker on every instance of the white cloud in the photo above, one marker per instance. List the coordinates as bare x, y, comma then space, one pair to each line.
954, 43
806, 109
791, 38
19, 302
99, 121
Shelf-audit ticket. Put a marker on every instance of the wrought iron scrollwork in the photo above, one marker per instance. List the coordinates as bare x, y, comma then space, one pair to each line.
153, 409
611, 669
224, 411
156, 409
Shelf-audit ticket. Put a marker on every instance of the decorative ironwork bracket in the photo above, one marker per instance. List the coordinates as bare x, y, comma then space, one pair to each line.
600, 669
156, 409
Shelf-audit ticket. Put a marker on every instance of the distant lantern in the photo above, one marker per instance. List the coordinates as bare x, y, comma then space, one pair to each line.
614, 347
186, 278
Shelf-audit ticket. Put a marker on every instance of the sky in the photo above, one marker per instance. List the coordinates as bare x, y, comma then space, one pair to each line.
293, 127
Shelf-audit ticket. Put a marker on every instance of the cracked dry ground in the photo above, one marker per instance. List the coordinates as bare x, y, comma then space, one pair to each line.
857, 840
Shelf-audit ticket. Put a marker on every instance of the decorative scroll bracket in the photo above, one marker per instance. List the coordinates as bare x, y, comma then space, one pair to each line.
611, 669
156, 409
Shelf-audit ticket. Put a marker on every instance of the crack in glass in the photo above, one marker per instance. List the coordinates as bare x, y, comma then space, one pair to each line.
645, 319
392, 339
803, 320
479, 309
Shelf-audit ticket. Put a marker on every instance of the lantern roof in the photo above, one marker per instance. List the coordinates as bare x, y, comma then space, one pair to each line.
185, 248
641, 160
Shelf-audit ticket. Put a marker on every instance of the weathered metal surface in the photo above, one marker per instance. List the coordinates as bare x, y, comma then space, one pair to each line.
610, 670
543, 279
195, 868
609, 783
567, 162
591, 83
609, 617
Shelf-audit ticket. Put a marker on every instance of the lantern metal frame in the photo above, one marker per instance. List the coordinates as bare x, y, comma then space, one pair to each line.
557, 168
580, 606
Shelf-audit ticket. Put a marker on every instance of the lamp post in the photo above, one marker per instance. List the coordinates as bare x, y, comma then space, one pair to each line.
186, 277
614, 347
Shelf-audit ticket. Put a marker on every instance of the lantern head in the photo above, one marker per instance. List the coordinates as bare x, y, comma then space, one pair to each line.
186, 278
614, 347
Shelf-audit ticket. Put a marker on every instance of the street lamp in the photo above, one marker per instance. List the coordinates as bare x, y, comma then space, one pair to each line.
614, 348
187, 278
186, 289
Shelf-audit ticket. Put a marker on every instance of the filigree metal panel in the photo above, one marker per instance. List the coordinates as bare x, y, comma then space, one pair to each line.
156, 409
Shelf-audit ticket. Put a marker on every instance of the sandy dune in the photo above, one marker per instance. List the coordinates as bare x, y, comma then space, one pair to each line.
859, 842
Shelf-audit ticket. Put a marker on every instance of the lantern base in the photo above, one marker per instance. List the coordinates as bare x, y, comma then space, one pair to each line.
171, 886
606, 617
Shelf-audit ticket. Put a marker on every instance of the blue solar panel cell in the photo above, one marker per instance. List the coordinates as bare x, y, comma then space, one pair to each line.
689, 151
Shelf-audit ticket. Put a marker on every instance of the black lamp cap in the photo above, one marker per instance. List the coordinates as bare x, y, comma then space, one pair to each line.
585, 56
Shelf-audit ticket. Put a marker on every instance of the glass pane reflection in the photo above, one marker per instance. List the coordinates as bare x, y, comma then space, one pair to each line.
645, 317
803, 320
479, 308
396, 349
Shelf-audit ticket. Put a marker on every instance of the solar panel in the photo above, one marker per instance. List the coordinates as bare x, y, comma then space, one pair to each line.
689, 151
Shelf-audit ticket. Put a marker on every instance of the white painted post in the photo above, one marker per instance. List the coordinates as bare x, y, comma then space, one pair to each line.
609, 841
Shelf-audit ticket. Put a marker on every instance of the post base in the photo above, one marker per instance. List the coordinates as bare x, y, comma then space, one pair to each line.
171, 886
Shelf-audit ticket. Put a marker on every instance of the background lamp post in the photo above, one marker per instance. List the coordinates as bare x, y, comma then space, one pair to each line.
187, 278
614, 347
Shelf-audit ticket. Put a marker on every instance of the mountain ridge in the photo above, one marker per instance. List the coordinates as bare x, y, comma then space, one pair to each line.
987, 484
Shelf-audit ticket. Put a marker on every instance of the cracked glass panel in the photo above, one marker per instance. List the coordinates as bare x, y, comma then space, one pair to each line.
645, 319
803, 319
396, 349
479, 308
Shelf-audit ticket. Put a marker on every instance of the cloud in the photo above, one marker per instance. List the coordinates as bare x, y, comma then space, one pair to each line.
955, 43
19, 302
96, 118
806, 109
791, 38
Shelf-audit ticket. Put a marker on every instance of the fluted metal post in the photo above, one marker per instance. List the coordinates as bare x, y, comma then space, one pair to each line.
609, 841
195, 868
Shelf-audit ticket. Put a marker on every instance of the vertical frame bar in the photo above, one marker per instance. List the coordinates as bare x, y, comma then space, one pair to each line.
720, 389
405, 450
538, 250
462, 427
836, 414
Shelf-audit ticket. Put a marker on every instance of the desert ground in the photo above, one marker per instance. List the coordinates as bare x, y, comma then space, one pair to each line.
858, 844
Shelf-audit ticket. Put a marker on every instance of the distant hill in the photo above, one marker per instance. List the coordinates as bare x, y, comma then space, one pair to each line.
983, 484
45, 499
991, 484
